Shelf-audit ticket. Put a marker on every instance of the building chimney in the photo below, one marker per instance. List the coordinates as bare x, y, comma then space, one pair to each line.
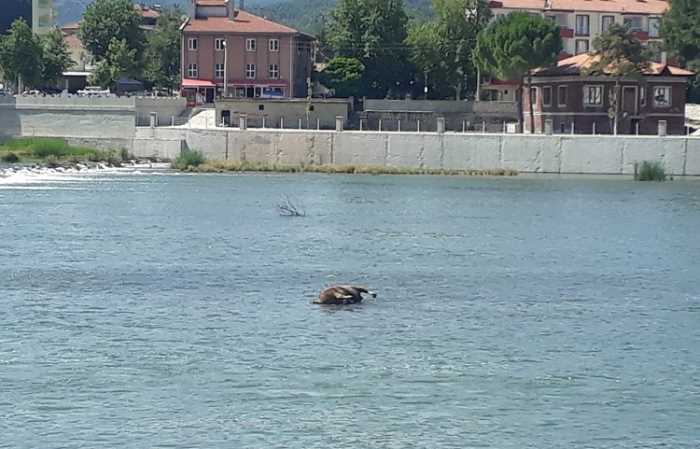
192, 10
664, 58
231, 9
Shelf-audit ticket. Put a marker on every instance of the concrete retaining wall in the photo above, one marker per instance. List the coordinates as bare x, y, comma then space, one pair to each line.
524, 153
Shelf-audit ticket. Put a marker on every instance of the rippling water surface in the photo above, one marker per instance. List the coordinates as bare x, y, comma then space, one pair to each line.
160, 310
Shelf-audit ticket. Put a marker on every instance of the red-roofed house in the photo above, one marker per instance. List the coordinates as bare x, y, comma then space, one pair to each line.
253, 57
582, 103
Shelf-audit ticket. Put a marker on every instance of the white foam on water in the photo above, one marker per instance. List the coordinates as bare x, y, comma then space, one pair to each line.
14, 178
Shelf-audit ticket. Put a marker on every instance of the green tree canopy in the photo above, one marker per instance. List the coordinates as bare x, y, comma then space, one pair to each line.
55, 57
105, 20
20, 55
163, 52
344, 76
442, 50
512, 45
121, 61
682, 37
373, 32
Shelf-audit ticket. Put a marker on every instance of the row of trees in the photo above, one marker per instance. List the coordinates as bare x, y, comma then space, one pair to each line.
32, 61
111, 32
376, 51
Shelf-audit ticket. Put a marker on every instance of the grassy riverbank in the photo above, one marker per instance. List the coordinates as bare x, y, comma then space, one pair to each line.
193, 161
55, 151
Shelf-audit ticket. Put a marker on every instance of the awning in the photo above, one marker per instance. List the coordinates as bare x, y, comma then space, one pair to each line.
189, 82
258, 83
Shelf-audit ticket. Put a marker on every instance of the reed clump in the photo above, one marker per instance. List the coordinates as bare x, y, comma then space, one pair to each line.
189, 160
651, 171
255, 166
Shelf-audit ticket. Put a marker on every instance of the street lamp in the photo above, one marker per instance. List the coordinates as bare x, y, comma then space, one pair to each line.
225, 68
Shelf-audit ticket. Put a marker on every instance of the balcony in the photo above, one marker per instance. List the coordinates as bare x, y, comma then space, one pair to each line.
566, 32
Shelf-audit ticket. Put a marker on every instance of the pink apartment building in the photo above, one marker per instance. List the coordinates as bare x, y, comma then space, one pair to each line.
253, 57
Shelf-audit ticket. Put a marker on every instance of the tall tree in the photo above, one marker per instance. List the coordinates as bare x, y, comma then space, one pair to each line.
621, 55
20, 55
105, 20
373, 32
682, 38
513, 45
344, 76
121, 61
55, 57
163, 52
443, 49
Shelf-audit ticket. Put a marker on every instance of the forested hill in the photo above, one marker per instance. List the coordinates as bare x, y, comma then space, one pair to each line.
304, 15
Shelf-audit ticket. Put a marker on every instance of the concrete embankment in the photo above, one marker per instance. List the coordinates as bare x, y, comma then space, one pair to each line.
449, 151
111, 123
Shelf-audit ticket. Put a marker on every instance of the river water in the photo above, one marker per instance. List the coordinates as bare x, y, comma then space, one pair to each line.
158, 310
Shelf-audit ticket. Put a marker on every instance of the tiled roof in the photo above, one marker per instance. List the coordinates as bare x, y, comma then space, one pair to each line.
613, 6
245, 23
575, 64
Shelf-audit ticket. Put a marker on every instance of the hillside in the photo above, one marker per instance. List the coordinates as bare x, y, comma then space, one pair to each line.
304, 15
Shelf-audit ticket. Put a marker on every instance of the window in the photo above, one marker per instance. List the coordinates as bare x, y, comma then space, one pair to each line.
274, 45
654, 27
546, 96
250, 71
581, 46
662, 97
533, 95
592, 95
192, 71
642, 96
274, 71
192, 43
561, 96
250, 45
606, 22
219, 44
633, 23
582, 25
219, 71
559, 19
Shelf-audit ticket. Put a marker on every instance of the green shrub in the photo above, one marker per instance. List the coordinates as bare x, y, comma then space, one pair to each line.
651, 171
189, 159
44, 148
10, 158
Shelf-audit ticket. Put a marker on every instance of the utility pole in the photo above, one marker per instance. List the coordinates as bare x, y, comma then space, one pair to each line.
225, 44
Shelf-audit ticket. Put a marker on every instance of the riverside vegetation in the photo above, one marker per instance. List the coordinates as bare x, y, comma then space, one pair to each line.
651, 171
194, 161
53, 152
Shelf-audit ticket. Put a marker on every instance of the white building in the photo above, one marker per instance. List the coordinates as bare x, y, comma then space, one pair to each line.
43, 16
581, 21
